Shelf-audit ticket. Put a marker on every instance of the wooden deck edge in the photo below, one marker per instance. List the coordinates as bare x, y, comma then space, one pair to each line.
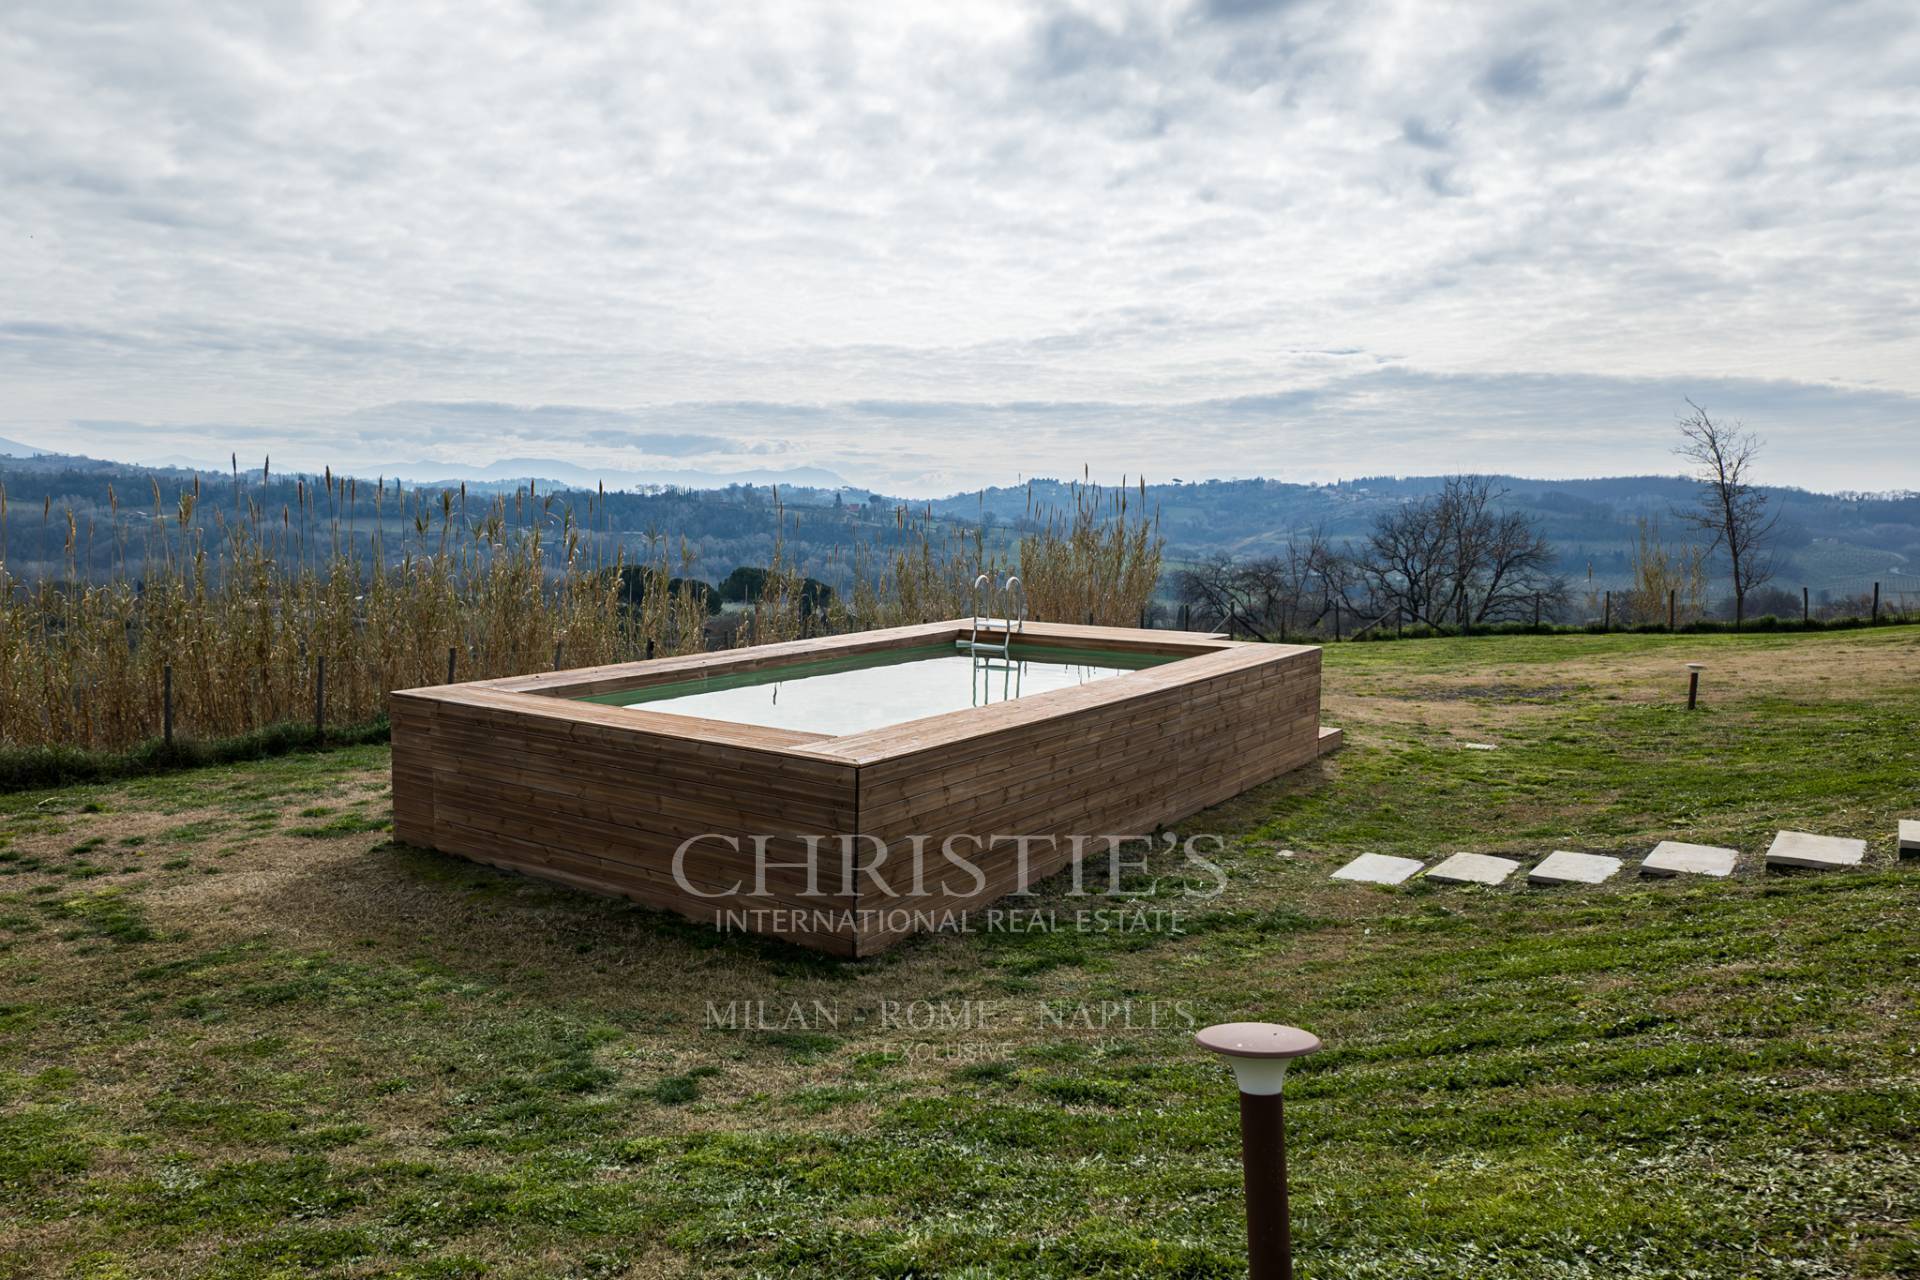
891, 744
617, 677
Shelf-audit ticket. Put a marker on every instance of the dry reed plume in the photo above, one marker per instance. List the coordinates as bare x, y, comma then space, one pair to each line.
243, 611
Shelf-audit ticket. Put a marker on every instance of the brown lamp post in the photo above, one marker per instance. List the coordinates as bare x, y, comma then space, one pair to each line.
1693, 683
1259, 1053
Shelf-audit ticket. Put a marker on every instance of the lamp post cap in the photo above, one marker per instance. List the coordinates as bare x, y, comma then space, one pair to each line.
1257, 1040
1696, 666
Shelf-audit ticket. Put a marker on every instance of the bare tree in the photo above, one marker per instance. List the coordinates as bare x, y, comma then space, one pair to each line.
1731, 511
1456, 557
1291, 592
1211, 589
1404, 561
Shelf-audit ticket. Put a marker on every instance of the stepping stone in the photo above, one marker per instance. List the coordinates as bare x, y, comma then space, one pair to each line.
1473, 868
1821, 853
1377, 868
1909, 836
1676, 858
1562, 867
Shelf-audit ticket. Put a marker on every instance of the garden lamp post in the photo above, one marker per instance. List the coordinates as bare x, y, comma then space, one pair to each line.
1259, 1053
1693, 683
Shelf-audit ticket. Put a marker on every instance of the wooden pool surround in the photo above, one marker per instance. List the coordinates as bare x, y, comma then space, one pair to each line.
518, 774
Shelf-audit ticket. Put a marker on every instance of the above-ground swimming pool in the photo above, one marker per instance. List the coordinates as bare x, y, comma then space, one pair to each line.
782, 788
843, 695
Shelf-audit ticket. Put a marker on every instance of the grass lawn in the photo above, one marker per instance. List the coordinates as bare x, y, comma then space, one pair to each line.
244, 1034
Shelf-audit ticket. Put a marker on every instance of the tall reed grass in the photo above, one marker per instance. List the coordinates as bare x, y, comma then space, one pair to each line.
243, 607
1097, 561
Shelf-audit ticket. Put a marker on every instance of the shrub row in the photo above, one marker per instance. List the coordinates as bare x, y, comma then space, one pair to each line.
1704, 626
31, 768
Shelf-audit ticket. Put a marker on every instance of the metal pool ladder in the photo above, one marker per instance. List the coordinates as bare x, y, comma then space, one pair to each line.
1009, 625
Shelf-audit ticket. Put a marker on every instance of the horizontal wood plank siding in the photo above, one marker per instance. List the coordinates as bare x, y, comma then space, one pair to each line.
1122, 767
517, 774
513, 781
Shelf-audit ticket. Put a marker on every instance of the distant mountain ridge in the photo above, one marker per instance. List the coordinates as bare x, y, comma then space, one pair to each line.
583, 477
1840, 543
552, 471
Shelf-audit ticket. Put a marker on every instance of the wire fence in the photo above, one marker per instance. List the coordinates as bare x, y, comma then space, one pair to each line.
1338, 620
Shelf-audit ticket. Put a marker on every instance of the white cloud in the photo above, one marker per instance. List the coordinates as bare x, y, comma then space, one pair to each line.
1386, 223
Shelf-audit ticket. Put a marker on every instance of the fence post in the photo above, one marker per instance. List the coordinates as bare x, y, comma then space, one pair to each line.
1876, 602
1606, 622
320, 696
451, 649
1673, 608
1536, 611
1806, 606
649, 648
556, 653
166, 704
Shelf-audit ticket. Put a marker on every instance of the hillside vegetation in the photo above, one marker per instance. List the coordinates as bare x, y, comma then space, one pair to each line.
246, 1035
1837, 545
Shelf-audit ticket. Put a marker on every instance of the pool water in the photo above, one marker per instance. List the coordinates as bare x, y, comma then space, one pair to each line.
850, 695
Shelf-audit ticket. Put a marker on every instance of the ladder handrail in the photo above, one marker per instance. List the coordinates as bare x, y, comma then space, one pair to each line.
1015, 626
982, 580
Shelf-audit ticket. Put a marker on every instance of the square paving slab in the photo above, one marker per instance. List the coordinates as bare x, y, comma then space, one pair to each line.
1821, 853
1562, 867
1909, 835
1473, 868
1378, 868
1677, 858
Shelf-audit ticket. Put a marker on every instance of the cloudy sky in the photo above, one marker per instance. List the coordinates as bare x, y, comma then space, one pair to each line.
930, 247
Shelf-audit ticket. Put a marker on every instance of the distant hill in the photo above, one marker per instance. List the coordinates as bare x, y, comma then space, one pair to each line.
732, 520
507, 472
1834, 543
576, 476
